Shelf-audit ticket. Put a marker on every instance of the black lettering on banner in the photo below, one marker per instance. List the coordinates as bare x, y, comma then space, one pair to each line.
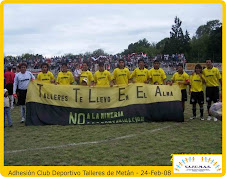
138, 91
40, 87
90, 91
76, 94
120, 94
158, 91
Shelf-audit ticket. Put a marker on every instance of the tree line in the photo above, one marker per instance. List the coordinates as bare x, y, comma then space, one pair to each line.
206, 43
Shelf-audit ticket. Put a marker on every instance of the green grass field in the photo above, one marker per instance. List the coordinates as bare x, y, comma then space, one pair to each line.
136, 144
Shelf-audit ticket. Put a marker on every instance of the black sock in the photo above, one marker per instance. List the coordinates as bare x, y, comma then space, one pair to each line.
201, 110
208, 107
194, 110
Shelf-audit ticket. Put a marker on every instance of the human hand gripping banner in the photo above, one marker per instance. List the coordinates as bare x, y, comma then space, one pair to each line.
49, 104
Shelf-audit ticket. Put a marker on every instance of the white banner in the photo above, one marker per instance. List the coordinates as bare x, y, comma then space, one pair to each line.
197, 163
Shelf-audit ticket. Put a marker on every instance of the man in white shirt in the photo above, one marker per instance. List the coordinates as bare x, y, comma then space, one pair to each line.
22, 79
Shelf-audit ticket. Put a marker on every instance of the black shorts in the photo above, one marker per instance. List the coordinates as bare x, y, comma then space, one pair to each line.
212, 94
9, 87
22, 96
197, 97
184, 95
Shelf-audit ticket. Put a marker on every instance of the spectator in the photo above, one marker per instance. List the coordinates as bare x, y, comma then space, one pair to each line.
6, 108
9, 79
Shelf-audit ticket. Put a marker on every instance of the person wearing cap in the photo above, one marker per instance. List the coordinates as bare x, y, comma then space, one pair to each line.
86, 74
121, 74
102, 77
140, 74
6, 108
45, 76
64, 77
181, 78
84, 82
157, 74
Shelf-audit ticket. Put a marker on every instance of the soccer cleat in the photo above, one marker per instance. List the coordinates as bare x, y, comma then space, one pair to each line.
201, 118
215, 119
209, 118
193, 117
22, 120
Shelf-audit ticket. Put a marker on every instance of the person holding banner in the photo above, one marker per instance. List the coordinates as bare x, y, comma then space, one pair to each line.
157, 74
140, 75
102, 77
22, 79
182, 79
197, 82
212, 78
64, 77
121, 75
86, 74
45, 76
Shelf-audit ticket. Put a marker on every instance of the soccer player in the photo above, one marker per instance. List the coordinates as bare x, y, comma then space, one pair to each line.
140, 75
102, 77
45, 76
121, 74
9, 79
64, 77
182, 79
86, 74
22, 80
157, 74
197, 82
212, 78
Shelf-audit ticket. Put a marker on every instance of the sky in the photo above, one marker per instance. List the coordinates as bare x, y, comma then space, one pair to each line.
58, 29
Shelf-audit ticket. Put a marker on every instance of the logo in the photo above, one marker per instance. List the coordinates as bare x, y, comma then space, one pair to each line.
197, 163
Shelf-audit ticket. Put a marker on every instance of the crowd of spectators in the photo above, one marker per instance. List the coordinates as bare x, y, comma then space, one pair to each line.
167, 62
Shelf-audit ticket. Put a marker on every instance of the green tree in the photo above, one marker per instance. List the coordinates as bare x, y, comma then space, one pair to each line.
207, 43
99, 52
207, 28
178, 42
215, 45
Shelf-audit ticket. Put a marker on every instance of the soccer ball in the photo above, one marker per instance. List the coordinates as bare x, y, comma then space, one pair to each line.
216, 110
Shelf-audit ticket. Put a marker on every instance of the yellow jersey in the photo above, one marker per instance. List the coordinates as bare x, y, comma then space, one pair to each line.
65, 78
140, 75
121, 76
212, 77
86, 74
102, 78
196, 83
180, 78
157, 75
45, 77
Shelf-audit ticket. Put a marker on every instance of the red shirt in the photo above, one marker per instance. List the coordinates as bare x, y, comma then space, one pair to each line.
9, 77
